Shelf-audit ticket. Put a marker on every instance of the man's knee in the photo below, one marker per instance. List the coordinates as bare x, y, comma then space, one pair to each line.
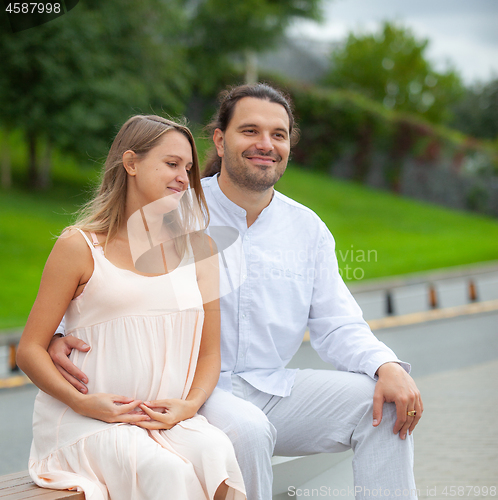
364, 392
359, 392
242, 421
252, 429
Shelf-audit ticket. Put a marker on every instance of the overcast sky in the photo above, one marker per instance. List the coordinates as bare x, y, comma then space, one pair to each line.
463, 32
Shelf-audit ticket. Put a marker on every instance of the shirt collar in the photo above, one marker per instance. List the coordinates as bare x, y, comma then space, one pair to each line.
228, 204
223, 200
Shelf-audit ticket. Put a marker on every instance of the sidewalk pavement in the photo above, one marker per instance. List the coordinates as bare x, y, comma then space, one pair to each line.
456, 441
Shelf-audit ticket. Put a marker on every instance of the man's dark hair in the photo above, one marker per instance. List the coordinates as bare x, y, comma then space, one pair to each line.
228, 100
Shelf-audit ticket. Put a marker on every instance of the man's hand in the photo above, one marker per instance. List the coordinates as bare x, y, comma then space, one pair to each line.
59, 350
396, 386
166, 413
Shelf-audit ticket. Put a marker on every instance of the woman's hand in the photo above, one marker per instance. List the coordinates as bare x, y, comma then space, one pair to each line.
110, 408
166, 413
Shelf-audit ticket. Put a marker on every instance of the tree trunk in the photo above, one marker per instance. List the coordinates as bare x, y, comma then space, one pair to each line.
251, 66
6, 177
33, 174
46, 167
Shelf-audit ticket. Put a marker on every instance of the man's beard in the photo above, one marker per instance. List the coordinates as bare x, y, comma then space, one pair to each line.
260, 180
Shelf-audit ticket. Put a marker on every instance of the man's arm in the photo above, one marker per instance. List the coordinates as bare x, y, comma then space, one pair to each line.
338, 331
340, 335
59, 350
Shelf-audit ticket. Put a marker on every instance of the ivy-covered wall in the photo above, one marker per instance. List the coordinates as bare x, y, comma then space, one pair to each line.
350, 136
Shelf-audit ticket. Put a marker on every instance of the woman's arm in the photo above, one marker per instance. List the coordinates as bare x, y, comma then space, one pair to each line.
208, 280
209, 362
69, 266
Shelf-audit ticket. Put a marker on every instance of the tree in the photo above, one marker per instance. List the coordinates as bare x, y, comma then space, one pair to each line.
240, 28
71, 81
390, 66
477, 113
67, 83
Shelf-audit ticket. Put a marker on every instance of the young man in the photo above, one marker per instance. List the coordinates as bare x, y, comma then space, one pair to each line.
292, 282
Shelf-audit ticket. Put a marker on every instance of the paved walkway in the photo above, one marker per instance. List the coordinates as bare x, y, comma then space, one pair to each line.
456, 442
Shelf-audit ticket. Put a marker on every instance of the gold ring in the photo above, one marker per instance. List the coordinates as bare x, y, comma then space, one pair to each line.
411, 413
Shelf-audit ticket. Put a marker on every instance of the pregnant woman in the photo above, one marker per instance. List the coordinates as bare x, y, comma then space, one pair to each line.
137, 281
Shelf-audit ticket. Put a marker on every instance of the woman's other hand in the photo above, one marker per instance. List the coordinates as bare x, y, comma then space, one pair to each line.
166, 413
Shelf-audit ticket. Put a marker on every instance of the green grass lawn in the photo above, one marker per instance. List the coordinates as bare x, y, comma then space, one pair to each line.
377, 233
29, 223
382, 234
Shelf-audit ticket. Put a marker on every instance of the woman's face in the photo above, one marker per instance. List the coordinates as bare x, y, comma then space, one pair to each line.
163, 174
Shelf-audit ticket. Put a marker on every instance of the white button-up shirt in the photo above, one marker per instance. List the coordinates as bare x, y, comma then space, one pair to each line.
286, 267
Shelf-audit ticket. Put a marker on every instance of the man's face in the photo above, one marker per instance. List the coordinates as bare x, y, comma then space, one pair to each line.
255, 147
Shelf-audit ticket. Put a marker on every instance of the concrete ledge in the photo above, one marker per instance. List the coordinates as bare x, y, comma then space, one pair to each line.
426, 316
382, 284
15, 381
433, 315
324, 470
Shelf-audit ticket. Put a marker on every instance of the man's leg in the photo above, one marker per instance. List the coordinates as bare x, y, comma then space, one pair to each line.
253, 438
330, 411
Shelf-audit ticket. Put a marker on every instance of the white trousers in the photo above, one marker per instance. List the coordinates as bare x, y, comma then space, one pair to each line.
328, 411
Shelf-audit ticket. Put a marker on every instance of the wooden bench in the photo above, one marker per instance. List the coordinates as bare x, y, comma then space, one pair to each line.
331, 469
19, 486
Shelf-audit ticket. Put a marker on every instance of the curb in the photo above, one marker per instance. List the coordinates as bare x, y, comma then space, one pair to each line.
434, 315
467, 271
16, 381
426, 316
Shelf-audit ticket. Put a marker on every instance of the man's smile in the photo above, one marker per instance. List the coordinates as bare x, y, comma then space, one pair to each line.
262, 159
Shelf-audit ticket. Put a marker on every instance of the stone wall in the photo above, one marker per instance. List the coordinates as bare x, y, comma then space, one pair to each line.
435, 183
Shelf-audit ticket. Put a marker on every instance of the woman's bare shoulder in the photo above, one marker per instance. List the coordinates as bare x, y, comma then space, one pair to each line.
71, 243
70, 259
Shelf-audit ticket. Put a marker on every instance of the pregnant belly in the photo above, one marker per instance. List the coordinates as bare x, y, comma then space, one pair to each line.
140, 358
130, 370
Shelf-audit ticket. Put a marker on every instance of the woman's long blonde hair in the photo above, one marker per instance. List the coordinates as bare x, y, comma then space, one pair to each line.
104, 213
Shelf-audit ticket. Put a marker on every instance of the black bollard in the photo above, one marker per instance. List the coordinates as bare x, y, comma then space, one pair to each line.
389, 303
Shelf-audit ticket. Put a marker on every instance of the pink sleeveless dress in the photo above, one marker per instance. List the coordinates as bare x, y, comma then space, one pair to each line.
144, 334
